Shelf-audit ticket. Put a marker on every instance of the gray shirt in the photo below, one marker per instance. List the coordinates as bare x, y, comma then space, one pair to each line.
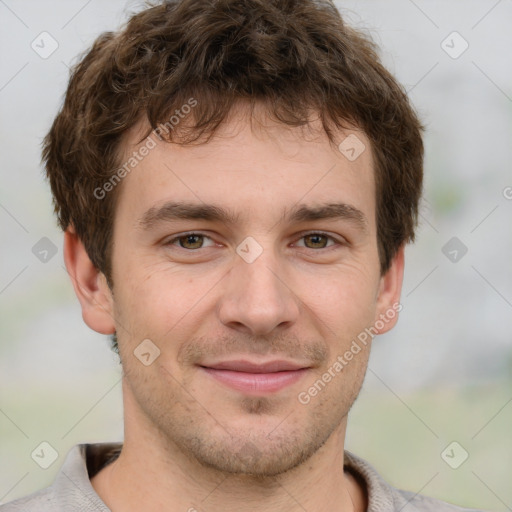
72, 489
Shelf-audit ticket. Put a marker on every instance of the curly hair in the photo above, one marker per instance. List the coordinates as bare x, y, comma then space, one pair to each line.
293, 56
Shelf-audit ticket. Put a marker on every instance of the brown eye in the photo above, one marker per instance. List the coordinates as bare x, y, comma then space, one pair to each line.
320, 242
316, 241
190, 241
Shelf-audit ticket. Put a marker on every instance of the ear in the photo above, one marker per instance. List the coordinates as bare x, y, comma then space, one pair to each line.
388, 298
90, 285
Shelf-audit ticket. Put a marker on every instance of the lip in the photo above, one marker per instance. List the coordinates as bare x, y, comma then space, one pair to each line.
256, 378
242, 365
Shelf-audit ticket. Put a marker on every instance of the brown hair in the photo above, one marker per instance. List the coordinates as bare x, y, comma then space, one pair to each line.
294, 56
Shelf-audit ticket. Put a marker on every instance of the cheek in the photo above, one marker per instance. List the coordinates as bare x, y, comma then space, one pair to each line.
344, 300
157, 298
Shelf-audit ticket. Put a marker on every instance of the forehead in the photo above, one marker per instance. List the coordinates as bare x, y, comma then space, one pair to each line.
252, 167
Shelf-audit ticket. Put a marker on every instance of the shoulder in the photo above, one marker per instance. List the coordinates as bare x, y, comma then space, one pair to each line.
39, 501
418, 502
382, 497
72, 489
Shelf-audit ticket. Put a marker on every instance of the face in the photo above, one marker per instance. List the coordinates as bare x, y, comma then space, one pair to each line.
251, 265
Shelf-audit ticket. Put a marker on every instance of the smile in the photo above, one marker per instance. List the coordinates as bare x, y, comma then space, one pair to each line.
253, 378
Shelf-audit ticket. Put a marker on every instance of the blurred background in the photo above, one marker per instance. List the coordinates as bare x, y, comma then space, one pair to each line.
435, 412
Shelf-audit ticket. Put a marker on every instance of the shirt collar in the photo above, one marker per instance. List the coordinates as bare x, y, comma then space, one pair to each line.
85, 460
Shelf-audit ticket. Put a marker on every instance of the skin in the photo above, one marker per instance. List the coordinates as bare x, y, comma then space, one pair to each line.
192, 443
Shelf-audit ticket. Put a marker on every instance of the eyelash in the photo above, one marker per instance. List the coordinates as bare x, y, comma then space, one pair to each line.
176, 238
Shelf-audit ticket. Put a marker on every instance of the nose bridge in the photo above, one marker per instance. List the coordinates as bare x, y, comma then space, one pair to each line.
257, 297
260, 278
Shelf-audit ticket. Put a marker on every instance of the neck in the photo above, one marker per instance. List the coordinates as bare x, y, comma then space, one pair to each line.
153, 474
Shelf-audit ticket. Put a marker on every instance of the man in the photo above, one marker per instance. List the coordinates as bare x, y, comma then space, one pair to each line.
237, 180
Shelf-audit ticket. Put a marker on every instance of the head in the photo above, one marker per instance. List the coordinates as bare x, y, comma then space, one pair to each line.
270, 138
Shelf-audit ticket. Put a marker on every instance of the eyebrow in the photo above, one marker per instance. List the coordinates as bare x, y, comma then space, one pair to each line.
172, 211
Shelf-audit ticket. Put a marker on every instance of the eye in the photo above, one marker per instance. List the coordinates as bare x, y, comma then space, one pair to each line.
318, 240
189, 241
193, 241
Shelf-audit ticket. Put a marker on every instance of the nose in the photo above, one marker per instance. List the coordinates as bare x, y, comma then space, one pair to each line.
257, 299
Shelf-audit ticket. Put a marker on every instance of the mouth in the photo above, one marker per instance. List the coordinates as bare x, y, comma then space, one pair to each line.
256, 378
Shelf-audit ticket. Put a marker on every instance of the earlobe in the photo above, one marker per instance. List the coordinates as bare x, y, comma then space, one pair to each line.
390, 288
90, 285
